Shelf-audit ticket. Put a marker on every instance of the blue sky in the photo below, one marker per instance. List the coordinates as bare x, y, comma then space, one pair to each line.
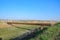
30, 9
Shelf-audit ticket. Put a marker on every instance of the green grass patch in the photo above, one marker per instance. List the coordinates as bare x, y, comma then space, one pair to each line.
14, 31
48, 34
29, 27
11, 32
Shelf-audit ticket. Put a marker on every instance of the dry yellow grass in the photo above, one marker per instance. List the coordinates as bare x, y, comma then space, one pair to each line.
4, 24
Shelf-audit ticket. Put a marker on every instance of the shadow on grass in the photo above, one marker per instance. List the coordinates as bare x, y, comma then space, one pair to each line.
0, 38
57, 37
30, 35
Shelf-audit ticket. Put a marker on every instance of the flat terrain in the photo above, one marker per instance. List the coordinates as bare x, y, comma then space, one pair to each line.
14, 30
10, 31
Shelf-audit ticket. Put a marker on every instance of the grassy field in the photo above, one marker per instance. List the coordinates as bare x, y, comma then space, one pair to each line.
13, 31
51, 33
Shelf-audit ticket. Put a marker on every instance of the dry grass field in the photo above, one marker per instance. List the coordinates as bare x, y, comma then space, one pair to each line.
4, 24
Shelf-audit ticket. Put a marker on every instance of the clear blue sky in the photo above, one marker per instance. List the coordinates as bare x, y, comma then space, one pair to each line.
30, 9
